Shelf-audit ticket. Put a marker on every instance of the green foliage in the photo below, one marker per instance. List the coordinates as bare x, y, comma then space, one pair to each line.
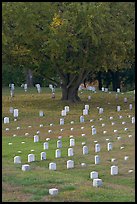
70, 39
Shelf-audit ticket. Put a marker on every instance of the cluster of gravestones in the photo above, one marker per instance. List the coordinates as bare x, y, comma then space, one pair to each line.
70, 163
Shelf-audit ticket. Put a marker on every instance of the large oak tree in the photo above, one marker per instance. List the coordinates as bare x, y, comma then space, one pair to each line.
72, 38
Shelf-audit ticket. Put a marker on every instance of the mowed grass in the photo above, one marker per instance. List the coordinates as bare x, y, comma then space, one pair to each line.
74, 185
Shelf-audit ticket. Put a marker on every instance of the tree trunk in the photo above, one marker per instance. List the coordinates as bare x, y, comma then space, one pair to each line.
99, 78
115, 80
29, 78
70, 94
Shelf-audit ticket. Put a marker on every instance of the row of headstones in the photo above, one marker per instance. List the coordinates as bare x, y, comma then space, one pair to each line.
63, 113
97, 182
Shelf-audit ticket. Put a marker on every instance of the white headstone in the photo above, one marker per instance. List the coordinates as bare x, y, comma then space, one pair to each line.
81, 119
85, 150
125, 100
114, 170
97, 182
36, 138
85, 111
106, 89
41, 113
133, 119
130, 106
100, 110
16, 113
61, 121
52, 166
25, 167
118, 90
70, 164
97, 159
6, 120
66, 108
97, 147
59, 144
87, 107
58, 153
72, 142
70, 152
109, 146
53, 191
11, 109
43, 155
94, 131
31, 157
94, 175
17, 160
89, 98
103, 89
118, 108
63, 113
45, 145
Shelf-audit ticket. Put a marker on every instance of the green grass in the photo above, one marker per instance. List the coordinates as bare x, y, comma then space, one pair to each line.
74, 185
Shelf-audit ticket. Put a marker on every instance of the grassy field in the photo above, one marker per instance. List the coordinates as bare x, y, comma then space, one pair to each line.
74, 185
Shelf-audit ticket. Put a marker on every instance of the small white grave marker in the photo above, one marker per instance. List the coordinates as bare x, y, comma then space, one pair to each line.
109, 146
25, 167
43, 155
41, 113
52, 166
114, 170
61, 121
133, 120
70, 152
58, 153
81, 119
59, 144
97, 147
63, 113
85, 150
53, 191
100, 110
130, 106
72, 142
94, 131
45, 145
70, 164
94, 175
36, 138
31, 157
97, 182
16, 113
17, 160
97, 159
66, 108
85, 111
6, 120
118, 108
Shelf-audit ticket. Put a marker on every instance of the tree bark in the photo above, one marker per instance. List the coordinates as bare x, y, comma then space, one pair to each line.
70, 85
99, 78
115, 80
29, 78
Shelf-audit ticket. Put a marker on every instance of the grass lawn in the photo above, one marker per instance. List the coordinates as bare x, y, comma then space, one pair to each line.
74, 185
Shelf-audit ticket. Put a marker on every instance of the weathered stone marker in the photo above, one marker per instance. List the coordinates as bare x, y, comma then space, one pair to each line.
97, 159
25, 167
52, 166
53, 191
43, 155
70, 164
85, 150
94, 175
97, 182
45, 145
114, 170
31, 157
58, 153
17, 160
70, 152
